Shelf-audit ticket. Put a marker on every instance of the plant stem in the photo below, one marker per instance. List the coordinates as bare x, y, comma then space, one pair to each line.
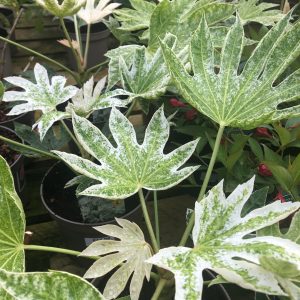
190, 225
130, 109
156, 218
148, 222
204, 185
57, 250
87, 45
66, 33
159, 288
82, 151
52, 61
27, 147
97, 66
78, 37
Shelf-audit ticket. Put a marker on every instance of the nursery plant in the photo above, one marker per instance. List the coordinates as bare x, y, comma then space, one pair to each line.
229, 236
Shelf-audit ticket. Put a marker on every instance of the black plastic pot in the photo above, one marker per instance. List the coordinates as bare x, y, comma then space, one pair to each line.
63, 207
99, 43
17, 168
26, 118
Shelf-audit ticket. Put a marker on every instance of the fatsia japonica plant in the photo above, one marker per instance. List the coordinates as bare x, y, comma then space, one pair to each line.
243, 248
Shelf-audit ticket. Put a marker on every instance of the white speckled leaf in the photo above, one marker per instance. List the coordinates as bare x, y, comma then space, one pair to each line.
12, 226
220, 244
45, 286
181, 18
288, 274
147, 77
253, 11
89, 99
42, 95
244, 100
131, 250
129, 166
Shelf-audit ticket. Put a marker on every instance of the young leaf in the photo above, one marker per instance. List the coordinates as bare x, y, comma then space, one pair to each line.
253, 11
220, 244
130, 166
131, 250
45, 286
42, 95
12, 226
89, 99
244, 100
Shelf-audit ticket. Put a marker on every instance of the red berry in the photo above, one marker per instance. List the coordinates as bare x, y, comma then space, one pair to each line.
176, 103
190, 114
263, 170
262, 131
280, 197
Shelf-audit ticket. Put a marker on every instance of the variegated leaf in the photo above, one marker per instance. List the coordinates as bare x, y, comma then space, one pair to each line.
127, 54
220, 244
248, 99
181, 18
287, 273
12, 220
45, 286
137, 17
130, 166
131, 250
42, 95
89, 99
253, 11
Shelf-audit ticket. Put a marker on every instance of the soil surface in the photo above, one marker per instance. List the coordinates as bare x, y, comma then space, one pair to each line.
10, 155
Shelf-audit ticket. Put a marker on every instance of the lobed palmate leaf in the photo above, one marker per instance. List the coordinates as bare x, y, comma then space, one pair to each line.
131, 250
42, 95
220, 244
130, 166
247, 99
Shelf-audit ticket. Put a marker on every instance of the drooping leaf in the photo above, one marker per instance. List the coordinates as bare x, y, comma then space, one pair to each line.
131, 250
287, 272
244, 100
220, 244
137, 17
42, 95
45, 286
253, 11
130, 166
12, 226
181, 18
89, 99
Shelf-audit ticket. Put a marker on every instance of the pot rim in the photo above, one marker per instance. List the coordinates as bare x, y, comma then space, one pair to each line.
74, 222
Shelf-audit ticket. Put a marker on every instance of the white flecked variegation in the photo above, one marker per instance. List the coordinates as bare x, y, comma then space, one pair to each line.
220, 244
47, 285
130, 166
42, 95
249, 98
89, 99
131, 250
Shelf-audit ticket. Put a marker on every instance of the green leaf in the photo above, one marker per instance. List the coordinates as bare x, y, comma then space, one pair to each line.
272, 156
244, 100
256, 148
45, 286
129, 166
131, 250
12, 226
181, 18
220, 244
55, 139
283, 133
42, 95
137, 18
256, 200
253, 11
